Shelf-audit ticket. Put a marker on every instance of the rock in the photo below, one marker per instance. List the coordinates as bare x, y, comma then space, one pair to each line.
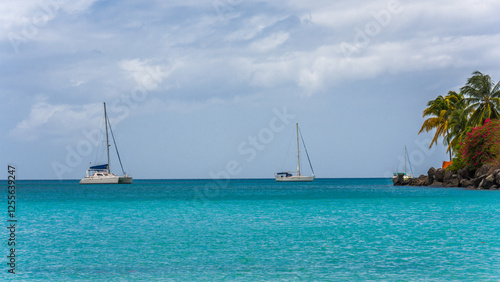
439, 175
497, 176
430, 175
436, 184
487, 182
454, 182
466, 182
398, 181
494, 187
482, 170
447, 176
463, 173
478, 180
420, 181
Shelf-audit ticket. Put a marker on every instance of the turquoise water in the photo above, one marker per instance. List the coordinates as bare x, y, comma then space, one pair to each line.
253, 230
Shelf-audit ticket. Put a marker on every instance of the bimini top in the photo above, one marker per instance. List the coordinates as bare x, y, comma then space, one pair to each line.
286, 173
99, 167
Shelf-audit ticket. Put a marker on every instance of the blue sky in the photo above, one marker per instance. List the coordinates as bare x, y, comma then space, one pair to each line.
190, 84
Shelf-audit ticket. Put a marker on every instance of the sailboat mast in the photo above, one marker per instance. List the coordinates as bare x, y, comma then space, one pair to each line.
107, 138
405, 159
298, 150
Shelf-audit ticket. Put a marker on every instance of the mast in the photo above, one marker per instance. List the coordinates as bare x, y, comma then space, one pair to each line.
405, 159
107, 138
298, 150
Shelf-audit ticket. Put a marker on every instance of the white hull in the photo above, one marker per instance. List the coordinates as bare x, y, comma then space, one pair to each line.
100, 180
295, 178
405, 177
106, 179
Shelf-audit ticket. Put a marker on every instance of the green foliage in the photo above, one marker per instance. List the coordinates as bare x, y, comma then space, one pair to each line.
481, 145
457, 164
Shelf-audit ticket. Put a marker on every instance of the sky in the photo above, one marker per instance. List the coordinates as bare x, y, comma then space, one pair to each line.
214, 88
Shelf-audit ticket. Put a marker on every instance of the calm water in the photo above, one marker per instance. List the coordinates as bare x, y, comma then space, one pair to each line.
251, 230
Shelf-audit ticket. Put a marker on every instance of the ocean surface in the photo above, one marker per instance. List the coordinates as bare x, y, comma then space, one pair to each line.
253, 230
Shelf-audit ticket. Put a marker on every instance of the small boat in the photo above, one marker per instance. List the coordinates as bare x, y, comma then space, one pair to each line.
296, 176
405, 175
102, 173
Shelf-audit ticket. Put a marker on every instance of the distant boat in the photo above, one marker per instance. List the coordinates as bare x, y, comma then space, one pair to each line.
102, 173
296, 176
405, 175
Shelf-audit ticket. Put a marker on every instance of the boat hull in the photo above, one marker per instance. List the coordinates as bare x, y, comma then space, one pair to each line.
100, 180
295, 178
125, 180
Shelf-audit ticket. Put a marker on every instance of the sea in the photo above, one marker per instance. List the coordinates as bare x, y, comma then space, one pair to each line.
251, 230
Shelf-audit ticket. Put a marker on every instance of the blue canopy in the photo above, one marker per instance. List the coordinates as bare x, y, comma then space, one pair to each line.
98, 167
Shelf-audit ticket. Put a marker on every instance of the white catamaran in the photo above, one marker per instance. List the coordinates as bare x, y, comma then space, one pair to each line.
102, 173
296, 176
405, 175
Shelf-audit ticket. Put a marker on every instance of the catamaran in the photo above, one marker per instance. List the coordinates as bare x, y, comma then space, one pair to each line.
405, 175
296, 176
102, 173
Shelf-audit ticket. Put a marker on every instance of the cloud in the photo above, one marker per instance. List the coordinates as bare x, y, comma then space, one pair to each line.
56, 120
147, 75
270, 42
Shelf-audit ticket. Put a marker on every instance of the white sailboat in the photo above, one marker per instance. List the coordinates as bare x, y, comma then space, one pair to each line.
102, 173
405, 175
296, 176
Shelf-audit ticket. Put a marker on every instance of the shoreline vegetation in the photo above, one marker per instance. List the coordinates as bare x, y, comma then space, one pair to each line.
468, 122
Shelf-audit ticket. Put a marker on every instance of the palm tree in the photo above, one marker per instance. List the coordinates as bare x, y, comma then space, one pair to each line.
441, 111
484, 98
459, 126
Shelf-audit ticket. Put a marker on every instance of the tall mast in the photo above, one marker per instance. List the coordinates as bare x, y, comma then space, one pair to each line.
405, 159
107, 138
298, 150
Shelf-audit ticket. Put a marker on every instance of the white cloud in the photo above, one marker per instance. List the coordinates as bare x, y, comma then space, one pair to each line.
59, 120
270, 42
147, 75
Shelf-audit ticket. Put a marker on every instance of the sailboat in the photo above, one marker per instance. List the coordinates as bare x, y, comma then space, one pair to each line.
296, 176
102, 173
405, 175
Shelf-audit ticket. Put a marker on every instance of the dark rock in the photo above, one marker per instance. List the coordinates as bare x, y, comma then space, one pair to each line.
478, 180
436, 184
463, 173
482, 170
466, 182
494, 187
420, 181
439, 175
430, 175
497, 176
398, 181
487, 182
447, 176
454, 182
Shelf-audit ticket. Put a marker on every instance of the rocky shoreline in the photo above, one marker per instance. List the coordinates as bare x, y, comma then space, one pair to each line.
485, 177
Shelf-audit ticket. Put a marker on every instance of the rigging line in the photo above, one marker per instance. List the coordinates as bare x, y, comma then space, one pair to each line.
307, 154
116, 147
409, 160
